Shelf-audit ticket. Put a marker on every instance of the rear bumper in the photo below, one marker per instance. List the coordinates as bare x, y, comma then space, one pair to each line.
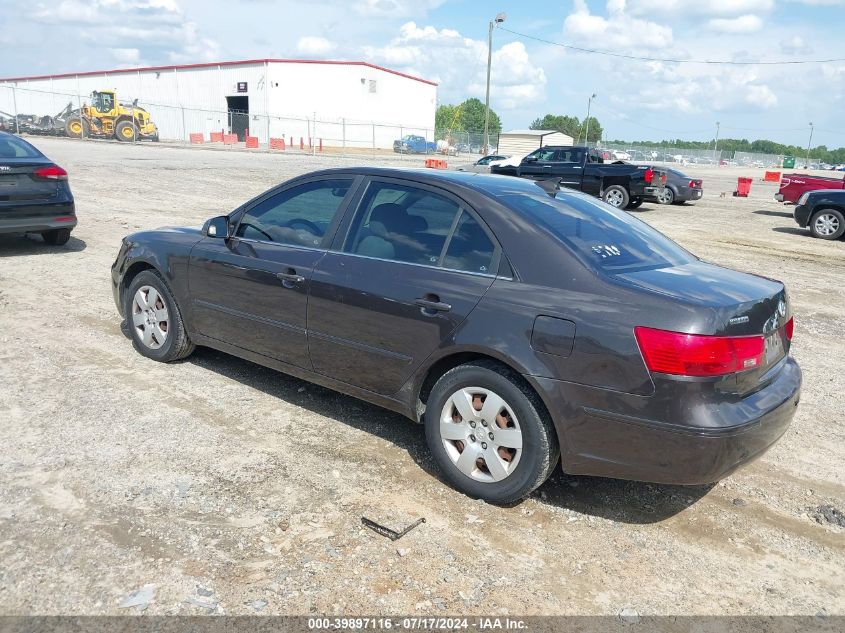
37, 218
638, 445
779, 197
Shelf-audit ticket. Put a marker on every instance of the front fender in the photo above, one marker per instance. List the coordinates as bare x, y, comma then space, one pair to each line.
167, 251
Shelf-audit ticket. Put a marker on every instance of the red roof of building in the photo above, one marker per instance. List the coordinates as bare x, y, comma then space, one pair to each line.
212, 64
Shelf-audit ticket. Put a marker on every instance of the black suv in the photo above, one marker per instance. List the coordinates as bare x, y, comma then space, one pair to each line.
823, 211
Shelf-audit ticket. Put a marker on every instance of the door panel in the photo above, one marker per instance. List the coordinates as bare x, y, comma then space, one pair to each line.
364, 327
251, 290
238, 296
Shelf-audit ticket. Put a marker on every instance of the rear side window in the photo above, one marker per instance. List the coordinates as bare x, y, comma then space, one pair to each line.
607, 238
13, 147
469, 249
402, 223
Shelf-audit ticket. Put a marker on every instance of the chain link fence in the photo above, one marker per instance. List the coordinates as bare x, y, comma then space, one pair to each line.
37, 112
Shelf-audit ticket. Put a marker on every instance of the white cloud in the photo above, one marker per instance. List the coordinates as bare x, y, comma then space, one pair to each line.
126, 55
459, 64
710, 8
156, 29
742, 24
795, 45
395, 8
313, 45
617, 30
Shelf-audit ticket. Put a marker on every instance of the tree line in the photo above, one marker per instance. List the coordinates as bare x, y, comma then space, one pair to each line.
469, 117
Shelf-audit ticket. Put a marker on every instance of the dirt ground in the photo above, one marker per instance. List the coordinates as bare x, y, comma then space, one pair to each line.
217, 486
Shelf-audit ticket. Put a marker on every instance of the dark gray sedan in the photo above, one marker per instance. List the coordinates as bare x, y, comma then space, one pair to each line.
523, 329
679, 188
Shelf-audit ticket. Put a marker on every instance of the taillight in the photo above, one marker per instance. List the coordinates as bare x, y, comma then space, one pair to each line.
698, 355
789, 328
649, 176
53, 172
692, 184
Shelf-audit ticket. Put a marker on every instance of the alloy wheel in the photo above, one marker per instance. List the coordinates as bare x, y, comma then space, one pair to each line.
614, 198
150, 317
481, 434
826, 224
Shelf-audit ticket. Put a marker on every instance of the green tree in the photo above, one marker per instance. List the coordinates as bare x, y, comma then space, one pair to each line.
465, 117
569, 125
594, 130
447, 118
472, 117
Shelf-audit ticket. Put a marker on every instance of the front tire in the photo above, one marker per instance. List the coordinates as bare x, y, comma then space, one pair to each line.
827, 224
616, 196
56, 237
154, 319
489, 433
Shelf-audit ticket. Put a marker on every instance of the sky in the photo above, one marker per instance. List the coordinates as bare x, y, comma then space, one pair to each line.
446, 41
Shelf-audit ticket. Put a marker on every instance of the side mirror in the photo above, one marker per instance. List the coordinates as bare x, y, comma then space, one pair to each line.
529, 159
216, 227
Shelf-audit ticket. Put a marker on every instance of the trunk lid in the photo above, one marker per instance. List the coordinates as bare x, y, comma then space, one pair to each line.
18, 184
737, 304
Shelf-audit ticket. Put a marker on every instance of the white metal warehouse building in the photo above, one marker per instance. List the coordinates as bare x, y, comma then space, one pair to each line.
350, 103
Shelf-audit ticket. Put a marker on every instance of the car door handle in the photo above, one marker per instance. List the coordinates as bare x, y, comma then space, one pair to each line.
432, 305
289, 279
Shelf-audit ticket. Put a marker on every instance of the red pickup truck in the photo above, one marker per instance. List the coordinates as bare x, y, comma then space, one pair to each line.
793, 185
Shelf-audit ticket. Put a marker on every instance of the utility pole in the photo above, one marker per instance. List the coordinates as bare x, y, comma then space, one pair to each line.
587, 120
807, 166
500, 17
716, 144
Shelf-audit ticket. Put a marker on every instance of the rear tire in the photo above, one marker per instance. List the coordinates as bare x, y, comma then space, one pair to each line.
827, 224
126, 131
515, 416
56, 237
77, 127
667, 197
154, 319
616, 196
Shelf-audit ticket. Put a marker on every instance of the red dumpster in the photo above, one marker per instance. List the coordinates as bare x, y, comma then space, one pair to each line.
743, 187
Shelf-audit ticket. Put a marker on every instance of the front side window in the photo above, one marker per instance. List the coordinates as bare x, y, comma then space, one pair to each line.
544, 155
298, 216
402, 223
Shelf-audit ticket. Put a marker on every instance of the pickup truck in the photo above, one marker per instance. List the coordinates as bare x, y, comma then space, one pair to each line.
619, 184
413, 144
793, 186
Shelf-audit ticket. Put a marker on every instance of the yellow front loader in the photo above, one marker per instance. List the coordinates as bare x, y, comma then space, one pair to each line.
106, 117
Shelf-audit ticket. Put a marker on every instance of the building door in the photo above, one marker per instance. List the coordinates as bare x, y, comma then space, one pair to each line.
238, 115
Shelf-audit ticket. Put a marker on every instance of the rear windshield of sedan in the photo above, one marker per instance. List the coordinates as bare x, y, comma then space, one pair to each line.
13, 147
609, 239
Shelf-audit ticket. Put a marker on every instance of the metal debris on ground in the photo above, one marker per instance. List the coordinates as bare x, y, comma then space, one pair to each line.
393, 535
141, 597
829, 514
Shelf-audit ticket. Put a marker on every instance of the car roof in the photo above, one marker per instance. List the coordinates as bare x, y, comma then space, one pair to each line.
487, 184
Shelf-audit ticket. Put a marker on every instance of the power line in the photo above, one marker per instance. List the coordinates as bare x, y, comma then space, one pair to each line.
595, 51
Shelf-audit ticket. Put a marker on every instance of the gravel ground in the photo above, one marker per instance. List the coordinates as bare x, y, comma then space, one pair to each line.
217, 486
